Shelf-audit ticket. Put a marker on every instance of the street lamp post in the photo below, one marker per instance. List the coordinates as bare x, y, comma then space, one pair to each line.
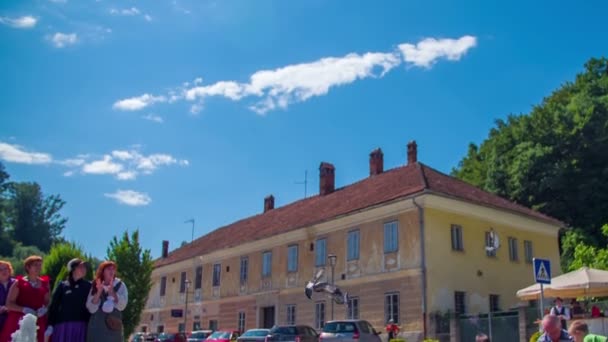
186, 308
332, 262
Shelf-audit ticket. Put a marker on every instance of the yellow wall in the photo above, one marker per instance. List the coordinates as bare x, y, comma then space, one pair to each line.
449, 271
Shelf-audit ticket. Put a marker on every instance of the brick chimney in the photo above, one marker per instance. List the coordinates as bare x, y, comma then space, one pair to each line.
165, 252
327, 179
268, 203
412, 152
376, 162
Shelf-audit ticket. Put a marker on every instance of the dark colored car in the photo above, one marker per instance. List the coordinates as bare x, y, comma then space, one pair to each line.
254, 335
349, 331
150, 337
292, 333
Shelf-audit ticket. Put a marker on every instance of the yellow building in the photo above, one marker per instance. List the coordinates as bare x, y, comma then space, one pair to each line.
408, 242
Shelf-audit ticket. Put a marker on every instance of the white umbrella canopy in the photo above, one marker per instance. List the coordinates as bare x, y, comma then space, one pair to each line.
584, 282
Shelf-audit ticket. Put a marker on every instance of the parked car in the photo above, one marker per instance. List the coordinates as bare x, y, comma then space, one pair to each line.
199, 335
349, 331
138, 337
292, 333
150, 337
223, 336
254, 335
169, 337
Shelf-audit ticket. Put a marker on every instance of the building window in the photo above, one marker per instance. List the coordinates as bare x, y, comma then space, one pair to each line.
457, 244
213, 325
196, 326
217, 272
244, 269
459, 302
291, 314
391, 237
321, 253
528, 251
494, 303
490, 250
163, 286
513, 255
160, 329
182, 283
292, 258
241, 322
198, 279
320, 315
266, 264
352, 308
181, 327
352, 247
391, 307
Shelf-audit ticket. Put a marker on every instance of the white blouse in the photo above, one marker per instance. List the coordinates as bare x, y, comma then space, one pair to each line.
120, 305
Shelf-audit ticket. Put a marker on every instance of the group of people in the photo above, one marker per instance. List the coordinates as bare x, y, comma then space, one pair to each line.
578, 331
77, 311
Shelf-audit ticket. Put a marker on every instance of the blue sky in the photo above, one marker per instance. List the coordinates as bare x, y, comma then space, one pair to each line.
143, 114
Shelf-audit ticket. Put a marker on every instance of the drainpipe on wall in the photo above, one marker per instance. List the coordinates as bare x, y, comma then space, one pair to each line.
423, 265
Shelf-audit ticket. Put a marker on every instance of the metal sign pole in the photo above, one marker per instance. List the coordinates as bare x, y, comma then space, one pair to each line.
542, 301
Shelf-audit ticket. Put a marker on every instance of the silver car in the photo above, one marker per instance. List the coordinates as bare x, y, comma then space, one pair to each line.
349, 331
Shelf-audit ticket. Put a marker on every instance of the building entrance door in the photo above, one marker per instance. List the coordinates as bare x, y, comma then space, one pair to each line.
268, 317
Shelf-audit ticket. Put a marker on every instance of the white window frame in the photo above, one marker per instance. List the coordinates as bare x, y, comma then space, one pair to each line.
391, 237
390, 311
291, 314
513, 250
457, 241
489, 253
528, 251
244, 270
163, 286
353, 245
292, 258
319, 315
217, 275
267, 264
321, 253
352, 309
460, 295
198, 277
241, 322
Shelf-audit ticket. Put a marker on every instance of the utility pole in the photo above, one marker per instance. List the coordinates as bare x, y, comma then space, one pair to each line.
191, 221
332, 262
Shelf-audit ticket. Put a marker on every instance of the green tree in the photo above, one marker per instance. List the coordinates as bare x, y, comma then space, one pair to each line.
135, 269
591, 256
21, 252
34, 218
554, 158
55, 263
6, 243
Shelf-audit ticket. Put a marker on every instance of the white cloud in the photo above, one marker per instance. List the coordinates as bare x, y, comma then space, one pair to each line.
281, 87
126, 11
103, 166
130, 198
139, 102
59, 1
68, 173
24, 22
17, 154
153, 118
73, 162
61, 40
127, 175
148, 17
129, 164
428, 51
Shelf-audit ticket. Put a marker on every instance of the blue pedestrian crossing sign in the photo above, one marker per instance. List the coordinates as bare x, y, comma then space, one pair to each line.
542, 271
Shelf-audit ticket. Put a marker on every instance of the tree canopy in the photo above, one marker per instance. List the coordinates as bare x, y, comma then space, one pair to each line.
553, 159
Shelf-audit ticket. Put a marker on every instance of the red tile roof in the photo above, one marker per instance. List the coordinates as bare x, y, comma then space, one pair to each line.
390, 185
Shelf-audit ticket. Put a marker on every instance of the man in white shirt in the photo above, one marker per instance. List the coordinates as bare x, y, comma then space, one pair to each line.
562, 312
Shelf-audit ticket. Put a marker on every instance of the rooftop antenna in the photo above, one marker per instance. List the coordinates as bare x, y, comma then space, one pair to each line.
305, 183
191, 221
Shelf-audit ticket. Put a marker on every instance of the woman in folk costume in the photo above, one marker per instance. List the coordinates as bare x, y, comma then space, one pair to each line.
28, 295
106, 301
6, 280
68, 314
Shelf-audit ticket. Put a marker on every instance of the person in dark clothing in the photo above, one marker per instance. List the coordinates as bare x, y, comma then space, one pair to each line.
68, 314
